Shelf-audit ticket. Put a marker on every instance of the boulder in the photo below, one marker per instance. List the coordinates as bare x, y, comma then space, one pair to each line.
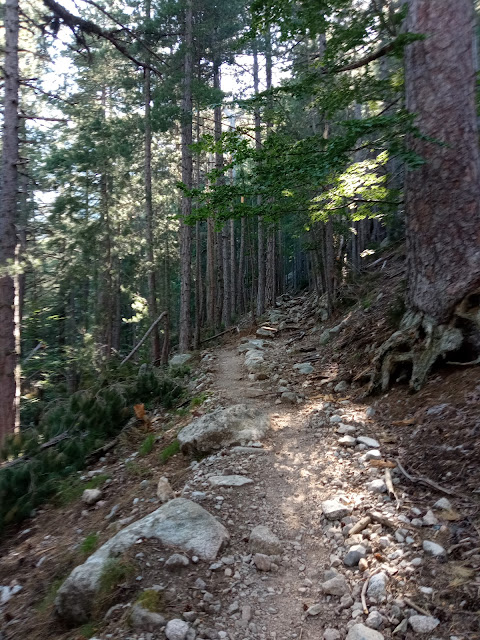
180, 359
239, 424
254, 360
179, 523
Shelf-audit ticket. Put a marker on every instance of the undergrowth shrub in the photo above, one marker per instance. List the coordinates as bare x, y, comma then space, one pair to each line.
88, 418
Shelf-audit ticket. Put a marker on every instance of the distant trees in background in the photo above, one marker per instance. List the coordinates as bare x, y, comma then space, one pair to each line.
141, 187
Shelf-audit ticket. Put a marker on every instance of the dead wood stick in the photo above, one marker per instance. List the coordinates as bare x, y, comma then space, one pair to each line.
360, 526
220, 334
136, 348
424, 481
364, 594
390, 489
46, 445
410, 603
377, 517
40, 345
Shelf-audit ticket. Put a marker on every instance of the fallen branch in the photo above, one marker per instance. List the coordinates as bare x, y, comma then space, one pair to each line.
222, 333
386, 522
363, 596
390, 489
40, 345
360, 526
410, 603
425, 481
46, 445
152, 327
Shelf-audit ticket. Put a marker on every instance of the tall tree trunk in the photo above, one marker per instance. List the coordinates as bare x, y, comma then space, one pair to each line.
270, 291
261, 230
443, 196
185, 330
233, 280
211, 280
8, 212
152, 284
241, 308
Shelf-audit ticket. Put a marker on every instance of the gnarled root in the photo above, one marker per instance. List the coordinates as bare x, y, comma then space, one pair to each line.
420, 342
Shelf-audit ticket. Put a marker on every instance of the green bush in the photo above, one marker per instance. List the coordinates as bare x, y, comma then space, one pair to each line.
169, 451
147, 445
90, 418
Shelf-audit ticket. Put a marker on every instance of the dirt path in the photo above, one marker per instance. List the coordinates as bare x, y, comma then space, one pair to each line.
285, 496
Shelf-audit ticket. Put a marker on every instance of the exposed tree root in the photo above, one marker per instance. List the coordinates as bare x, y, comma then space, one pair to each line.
420, 342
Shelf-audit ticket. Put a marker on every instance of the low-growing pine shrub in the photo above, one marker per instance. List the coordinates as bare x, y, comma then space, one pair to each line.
88, 419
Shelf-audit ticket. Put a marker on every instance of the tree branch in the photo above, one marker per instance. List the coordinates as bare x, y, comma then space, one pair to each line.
86, 26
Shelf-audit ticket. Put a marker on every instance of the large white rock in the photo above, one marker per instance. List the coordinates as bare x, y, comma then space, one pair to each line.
179, 523
239, 424
254, 360
180, 359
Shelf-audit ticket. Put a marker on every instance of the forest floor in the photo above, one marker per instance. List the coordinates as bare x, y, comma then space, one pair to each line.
302, 463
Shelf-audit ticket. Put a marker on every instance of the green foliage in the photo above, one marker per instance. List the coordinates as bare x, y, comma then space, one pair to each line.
71, 489
48, 600
197, 401
147, 445
88, 630
89, 544
137, 470
88, 418
115, 571
152, 600
172, 449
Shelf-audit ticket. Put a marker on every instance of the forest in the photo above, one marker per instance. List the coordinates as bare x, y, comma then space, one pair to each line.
175, 171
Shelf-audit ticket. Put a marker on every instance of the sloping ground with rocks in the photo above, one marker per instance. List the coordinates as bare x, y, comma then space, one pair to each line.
293, 512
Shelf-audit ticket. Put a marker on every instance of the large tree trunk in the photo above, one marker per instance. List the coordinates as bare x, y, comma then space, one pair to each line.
8, 212
443, 196
185, 230
152, 283
261, 231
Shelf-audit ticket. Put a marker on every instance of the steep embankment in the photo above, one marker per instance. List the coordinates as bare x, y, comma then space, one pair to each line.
334, 553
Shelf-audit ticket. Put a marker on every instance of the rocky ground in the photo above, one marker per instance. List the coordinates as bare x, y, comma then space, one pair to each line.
288, 516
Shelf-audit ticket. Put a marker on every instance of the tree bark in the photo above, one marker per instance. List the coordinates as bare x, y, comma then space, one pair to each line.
260, 227
443, 196
185, 330
8, 212
152, 284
